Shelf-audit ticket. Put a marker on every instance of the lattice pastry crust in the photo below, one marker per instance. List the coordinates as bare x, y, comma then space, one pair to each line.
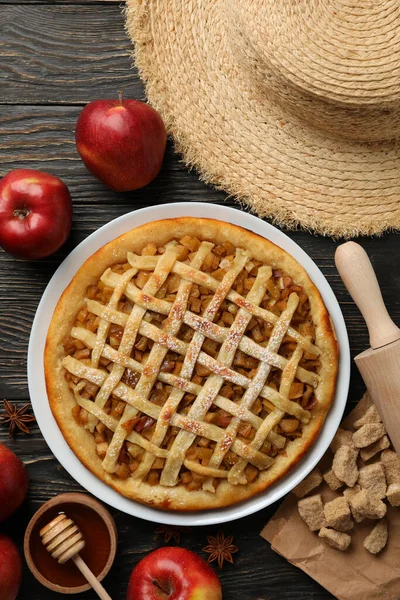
190, 363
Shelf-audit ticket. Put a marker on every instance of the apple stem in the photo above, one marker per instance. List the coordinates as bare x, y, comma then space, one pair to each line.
21, 213
120, 96
157, 585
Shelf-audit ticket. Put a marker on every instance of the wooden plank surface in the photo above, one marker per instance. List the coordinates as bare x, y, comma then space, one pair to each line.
55, 58
72, 2
64, 54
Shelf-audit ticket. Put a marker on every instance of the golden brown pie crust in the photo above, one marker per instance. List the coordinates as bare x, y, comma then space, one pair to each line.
62, 399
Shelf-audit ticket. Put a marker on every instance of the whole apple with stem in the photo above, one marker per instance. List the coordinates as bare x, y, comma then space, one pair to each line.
13, 482
10, 569
122, 142
173, 573
35, 213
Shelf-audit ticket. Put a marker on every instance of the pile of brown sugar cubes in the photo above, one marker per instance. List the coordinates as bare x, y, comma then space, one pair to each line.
366, 472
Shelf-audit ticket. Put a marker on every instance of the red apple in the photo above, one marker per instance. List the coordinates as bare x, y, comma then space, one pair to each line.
13, 482
122, 142
173, 573
35, 213
10, 569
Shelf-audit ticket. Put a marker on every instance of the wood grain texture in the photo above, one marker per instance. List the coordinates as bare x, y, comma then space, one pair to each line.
64, 53
55, 58
71, 2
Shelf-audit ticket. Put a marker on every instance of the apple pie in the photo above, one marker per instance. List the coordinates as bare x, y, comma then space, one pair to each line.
190, 364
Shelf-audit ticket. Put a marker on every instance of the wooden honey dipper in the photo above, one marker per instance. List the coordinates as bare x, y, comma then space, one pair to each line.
64, 540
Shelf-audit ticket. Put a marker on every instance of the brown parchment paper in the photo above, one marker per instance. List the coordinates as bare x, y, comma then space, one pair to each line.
351, 575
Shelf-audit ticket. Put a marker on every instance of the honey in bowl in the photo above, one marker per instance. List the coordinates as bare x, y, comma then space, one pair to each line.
98, 530
95, 553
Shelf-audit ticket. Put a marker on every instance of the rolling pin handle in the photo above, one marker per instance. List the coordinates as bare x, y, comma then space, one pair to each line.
359, 277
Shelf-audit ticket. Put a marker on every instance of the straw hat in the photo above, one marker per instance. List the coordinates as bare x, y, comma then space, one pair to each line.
292, 106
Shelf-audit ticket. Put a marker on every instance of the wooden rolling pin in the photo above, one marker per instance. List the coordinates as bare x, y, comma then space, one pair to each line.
380, 364
64, 540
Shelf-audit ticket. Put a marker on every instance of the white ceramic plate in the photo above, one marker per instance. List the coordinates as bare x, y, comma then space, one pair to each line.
37, 387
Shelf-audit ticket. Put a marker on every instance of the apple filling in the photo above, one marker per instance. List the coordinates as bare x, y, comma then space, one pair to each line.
217, 262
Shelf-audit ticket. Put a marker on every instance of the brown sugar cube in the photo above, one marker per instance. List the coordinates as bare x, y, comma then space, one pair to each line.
342, 438
377, 539
365, 505
393, 494
311, 510
391, 464
370, 451
331, 479
338, 515
372, 477
336, 539
371, 416
351, 491
345, 465
312, 481
368, 434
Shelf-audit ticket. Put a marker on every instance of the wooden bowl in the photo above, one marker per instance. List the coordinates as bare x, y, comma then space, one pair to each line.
101, 542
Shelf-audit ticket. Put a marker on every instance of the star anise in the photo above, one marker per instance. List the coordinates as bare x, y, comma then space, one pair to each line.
171, 532
16, 417
220, 548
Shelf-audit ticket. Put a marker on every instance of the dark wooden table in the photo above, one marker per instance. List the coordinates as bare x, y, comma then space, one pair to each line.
54, 58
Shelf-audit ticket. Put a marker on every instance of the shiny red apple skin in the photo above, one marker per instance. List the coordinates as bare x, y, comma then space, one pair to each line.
35, 213
10, 569
13, 483
173, 573
122, 142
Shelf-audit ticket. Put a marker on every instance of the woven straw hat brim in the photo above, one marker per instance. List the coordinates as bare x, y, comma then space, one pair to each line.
243, 143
